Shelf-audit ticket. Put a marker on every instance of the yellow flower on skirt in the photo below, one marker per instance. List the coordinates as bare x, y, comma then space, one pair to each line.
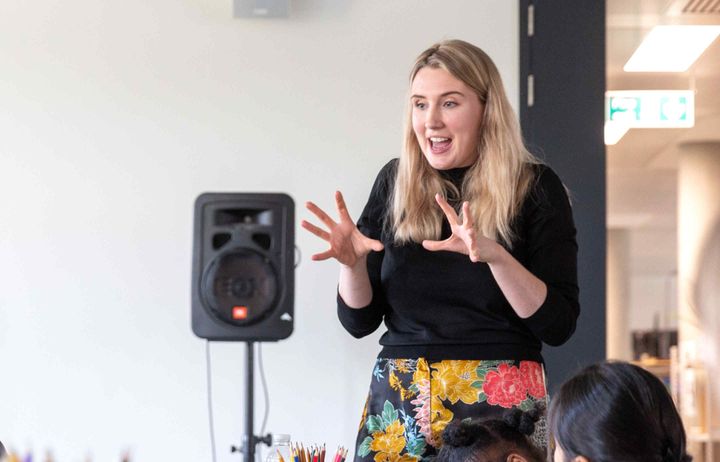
421, 371
440, 418
453, 381
382, 457
394, 381
402, 365
388, 442
396, 385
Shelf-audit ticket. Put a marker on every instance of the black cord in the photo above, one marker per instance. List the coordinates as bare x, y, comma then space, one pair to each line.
209, 395
265, 389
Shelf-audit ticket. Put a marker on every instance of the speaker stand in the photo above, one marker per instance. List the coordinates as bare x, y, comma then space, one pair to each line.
250, 440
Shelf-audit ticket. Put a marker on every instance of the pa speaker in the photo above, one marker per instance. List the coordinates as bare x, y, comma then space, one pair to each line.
243, 267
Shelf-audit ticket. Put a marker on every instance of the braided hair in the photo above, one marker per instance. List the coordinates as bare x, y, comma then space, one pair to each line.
492, 439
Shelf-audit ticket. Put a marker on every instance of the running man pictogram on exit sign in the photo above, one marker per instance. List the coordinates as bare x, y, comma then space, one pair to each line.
651, 108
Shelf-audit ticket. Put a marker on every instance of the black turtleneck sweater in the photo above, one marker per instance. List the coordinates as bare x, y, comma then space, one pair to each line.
440, 305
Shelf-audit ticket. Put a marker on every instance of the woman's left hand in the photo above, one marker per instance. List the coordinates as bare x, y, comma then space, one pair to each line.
464, 238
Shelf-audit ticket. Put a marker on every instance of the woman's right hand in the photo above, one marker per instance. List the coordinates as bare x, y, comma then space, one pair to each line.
347, 244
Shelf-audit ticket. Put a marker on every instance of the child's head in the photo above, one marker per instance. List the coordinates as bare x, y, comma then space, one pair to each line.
492, 440
616, 411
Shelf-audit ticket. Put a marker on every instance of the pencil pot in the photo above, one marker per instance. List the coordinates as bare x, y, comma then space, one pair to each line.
280, 449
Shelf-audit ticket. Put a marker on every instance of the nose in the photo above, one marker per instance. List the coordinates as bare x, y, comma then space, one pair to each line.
433, 117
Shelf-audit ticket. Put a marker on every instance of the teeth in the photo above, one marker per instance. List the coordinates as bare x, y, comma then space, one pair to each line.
438, 140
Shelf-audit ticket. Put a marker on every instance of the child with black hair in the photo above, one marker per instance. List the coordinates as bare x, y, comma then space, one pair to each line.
506, 439
615, 411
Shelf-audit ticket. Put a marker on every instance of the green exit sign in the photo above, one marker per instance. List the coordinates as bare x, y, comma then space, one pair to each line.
651, 108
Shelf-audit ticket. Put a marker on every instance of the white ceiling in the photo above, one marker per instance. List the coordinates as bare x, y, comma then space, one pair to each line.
642, 166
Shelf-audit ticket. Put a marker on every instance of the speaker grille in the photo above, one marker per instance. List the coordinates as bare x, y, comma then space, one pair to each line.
240, 287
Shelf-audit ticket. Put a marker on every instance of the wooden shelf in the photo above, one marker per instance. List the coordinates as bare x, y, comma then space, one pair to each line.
656, 366
703, 437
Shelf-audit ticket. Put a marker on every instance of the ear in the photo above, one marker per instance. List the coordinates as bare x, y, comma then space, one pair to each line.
515, 458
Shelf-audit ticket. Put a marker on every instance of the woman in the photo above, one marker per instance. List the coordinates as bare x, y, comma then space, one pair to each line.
616, 411
466, 250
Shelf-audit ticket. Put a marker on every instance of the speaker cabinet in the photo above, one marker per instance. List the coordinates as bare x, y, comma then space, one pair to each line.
243, 276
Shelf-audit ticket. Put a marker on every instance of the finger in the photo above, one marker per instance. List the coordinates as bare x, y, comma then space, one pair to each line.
473, 250
323, 255
342, 208
449, 212
473, 253
433, 246
376, 245
467, 218
318, 212
321, 233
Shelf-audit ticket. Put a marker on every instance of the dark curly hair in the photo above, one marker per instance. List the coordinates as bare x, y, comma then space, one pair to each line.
492, 439
615, 411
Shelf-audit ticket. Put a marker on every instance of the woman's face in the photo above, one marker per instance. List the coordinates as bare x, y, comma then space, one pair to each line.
446, 118
558, 454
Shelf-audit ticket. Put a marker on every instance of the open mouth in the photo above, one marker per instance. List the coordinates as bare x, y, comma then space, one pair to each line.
439, 145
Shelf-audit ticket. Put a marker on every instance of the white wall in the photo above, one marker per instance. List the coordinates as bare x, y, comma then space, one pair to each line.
653, 302
618, 345
114, 116
653, 279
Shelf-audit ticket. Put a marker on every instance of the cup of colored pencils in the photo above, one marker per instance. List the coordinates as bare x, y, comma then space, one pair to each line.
314, 454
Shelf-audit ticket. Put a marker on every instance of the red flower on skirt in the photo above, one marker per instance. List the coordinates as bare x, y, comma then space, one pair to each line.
532, 377
505, 387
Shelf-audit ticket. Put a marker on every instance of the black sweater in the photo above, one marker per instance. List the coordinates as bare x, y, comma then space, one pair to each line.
440, 305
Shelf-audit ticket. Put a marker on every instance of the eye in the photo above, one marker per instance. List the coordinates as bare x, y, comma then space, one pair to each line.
420, 104
450, 104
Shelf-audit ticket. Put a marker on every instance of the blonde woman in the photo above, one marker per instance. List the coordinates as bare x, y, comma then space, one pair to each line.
466, 251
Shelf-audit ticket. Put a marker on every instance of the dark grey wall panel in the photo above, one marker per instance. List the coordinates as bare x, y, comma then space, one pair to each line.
564, 126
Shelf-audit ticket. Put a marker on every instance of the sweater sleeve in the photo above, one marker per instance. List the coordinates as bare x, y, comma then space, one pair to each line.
360, 322
552, 257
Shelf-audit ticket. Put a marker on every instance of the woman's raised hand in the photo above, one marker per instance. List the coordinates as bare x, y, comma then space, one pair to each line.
347, 244
464, 238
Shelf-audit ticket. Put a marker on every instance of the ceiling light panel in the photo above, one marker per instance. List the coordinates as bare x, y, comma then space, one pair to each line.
671, 48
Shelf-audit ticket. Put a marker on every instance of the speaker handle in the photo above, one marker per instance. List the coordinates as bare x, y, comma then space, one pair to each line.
298, 256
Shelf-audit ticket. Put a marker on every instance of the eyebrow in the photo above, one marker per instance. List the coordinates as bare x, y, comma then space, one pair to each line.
447, 93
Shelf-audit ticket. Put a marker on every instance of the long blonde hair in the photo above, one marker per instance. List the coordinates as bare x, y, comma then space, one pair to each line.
498, 181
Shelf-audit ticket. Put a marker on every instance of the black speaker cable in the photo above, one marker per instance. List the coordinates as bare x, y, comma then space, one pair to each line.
265, 389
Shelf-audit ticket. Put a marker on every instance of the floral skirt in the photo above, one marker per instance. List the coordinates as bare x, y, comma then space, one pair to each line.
411, 401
